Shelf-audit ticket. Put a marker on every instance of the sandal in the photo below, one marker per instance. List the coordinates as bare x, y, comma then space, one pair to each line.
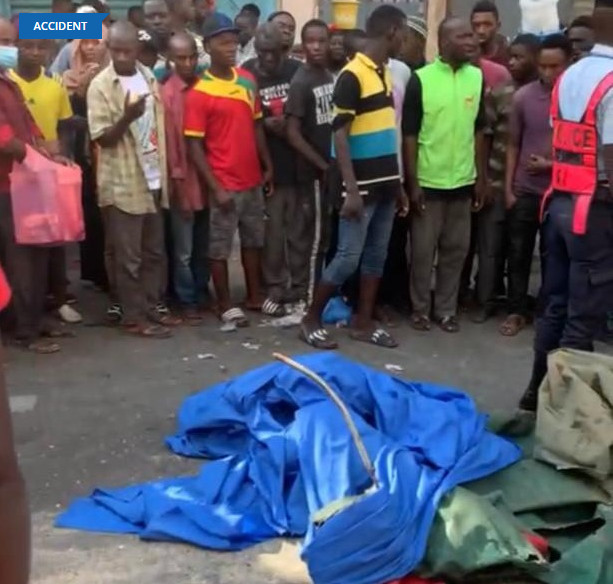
449, 324
53, 333
378, 337
40, 346
317, 338
272, 308
512, 325
420, 322
153, 331
382, 314
235, 316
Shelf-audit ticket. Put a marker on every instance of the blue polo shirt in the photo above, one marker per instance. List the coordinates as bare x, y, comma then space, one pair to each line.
577, 86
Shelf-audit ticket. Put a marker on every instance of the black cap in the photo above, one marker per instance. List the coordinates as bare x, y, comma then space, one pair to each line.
217, 23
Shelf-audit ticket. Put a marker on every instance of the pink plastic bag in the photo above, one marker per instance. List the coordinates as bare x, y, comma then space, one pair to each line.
46, 200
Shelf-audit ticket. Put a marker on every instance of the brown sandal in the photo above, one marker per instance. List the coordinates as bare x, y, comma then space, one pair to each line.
512, 325
420, 322
449, 324
153, 331
40, 346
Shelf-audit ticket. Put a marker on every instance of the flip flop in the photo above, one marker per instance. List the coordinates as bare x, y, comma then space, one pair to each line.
379, 337
235, 316
449, 324
317, 338
40, 347
153, 331
273, 308
420, 322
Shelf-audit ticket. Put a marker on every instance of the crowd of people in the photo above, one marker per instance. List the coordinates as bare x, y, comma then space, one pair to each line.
345, 161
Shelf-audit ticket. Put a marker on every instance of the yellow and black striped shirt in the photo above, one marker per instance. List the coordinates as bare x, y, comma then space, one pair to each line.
363, 98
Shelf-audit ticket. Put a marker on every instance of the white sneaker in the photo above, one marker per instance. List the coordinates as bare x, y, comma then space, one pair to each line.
69, 315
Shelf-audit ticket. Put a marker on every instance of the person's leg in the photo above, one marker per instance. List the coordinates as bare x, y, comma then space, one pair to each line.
154, 269
453, 246
58, 286
26, 271
489, 243
125, 240
373, 261
351, 237
590, 279
200, 262
183, 277
222, 227
466, 292
250, 206
58, 283
555, 290
425, 233
523, 227
394, 286
303, 230
274, 268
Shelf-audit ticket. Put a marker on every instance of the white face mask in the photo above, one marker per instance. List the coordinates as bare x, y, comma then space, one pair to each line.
8, 57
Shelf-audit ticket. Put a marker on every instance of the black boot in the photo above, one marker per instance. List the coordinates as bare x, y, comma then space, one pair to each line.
529, 401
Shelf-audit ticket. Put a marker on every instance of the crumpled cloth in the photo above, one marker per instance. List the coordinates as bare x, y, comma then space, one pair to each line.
574, 428
284, 452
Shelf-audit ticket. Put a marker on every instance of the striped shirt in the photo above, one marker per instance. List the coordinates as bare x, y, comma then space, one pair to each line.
363, 98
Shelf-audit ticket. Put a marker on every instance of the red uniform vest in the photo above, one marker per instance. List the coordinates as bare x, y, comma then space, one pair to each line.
575, 154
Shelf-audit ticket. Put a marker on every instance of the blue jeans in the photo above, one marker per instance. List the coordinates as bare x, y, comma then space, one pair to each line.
190, 262
365, 239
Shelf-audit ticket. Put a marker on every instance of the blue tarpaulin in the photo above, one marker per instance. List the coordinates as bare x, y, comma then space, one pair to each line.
282, 451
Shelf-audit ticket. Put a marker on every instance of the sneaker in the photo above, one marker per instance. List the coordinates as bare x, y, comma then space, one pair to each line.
69, 315
114, 313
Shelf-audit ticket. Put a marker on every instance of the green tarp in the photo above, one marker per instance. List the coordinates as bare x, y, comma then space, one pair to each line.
479, 534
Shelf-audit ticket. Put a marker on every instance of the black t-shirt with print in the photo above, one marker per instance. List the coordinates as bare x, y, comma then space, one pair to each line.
273, 95
310, 99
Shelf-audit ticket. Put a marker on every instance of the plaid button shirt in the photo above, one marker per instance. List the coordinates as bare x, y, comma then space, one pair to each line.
120, 176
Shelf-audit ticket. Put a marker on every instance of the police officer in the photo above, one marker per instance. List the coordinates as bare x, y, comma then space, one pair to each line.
577, 229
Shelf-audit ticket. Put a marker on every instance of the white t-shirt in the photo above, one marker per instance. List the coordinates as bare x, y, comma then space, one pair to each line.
400, 78
146, 128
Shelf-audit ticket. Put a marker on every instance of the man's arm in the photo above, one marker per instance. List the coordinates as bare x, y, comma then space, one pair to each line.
345, 99
15, 523
264, 154
514, 140
295, 109
102, 129
605, 113
10, 145
412, 115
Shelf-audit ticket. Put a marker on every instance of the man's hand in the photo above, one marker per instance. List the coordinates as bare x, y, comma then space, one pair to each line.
353, 207
275, 125
509, 199
223, 199
483, 194
538, 164
402, 203
267, 182
418, 199
134, 109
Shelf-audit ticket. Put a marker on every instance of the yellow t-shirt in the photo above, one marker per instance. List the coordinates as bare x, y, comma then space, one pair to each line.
47, 100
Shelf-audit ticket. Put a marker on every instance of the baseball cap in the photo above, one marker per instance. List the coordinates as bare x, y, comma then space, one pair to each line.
217, 23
